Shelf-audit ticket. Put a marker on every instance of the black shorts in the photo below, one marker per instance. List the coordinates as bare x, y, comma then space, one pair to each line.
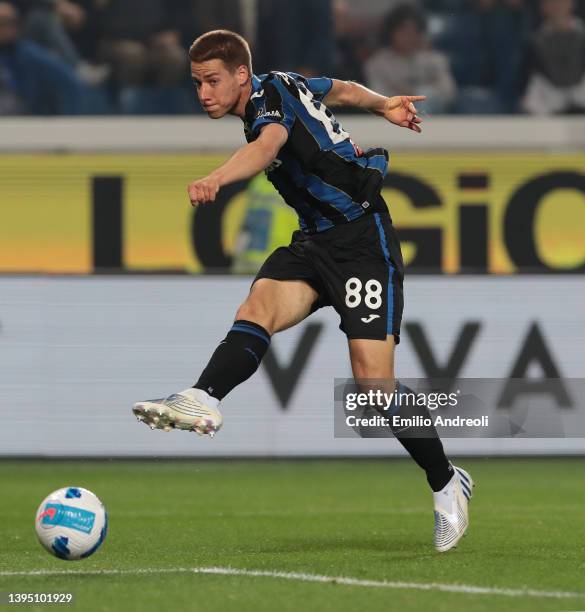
356, 268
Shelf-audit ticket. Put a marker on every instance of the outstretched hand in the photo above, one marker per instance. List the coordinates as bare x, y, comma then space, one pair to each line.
401, 111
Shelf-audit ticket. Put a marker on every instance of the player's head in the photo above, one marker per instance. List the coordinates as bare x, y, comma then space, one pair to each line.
9, 24
221, 68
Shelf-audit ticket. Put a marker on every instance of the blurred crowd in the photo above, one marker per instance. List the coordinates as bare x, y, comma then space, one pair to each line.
61, 57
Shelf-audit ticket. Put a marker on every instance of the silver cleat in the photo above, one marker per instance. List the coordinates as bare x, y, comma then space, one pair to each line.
180, 411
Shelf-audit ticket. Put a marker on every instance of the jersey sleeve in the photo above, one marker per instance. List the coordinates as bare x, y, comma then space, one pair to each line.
277, 109
319, 87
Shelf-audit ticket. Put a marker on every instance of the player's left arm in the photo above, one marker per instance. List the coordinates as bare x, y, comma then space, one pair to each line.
245, 163
399, 110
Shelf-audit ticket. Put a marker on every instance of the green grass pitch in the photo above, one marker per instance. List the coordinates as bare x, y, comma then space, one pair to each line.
369, 520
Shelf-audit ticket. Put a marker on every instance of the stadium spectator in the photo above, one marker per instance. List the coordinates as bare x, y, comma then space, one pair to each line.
493, 55
484, 39
408, 63
32, 80
51, 23
508, 26
149, 64
80, 18
553, 74
43, 24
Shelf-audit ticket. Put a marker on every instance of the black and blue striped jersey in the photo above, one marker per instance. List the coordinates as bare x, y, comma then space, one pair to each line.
319, 171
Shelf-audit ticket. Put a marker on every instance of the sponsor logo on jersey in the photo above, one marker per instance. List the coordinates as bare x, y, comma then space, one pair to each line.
370, 318
265, 113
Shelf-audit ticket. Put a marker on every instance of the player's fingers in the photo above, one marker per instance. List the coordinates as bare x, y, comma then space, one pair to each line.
417, 119
411, 126
191, 194
195, 190
197, 195
416, 98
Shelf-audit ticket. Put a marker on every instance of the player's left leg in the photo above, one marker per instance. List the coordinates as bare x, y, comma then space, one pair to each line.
372, 364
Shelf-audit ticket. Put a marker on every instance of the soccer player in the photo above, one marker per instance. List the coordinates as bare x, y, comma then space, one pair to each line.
346, 253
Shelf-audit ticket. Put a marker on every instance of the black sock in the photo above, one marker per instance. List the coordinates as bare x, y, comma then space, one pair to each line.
430, 456
235, 359
423, 444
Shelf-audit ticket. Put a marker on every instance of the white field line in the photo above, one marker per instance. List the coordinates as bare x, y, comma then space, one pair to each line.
302, 577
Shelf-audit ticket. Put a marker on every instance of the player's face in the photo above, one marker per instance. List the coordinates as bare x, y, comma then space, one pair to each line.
218, 88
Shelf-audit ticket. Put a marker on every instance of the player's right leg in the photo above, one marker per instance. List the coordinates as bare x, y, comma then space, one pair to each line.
271, 306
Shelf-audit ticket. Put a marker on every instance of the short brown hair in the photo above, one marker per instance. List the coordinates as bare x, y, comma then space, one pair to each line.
225, 45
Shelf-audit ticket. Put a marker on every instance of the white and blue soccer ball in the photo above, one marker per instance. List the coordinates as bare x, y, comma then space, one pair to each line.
71, 523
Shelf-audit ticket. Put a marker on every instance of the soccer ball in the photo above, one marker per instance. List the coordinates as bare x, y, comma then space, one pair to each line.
71, 523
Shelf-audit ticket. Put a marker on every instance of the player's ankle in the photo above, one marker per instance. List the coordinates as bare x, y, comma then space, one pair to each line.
202, 396
439, 477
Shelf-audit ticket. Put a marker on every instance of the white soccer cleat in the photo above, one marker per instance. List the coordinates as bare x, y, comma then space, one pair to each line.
451, 511
190, 410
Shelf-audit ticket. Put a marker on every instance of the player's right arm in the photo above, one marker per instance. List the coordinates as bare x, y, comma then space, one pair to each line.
399, 110
245, 163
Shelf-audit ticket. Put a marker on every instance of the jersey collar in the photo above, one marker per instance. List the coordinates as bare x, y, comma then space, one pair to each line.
256, 93
256, 85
